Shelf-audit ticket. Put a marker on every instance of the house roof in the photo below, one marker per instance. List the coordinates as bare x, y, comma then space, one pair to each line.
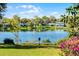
57, 24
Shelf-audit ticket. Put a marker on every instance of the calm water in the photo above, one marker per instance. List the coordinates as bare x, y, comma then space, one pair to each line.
31, 36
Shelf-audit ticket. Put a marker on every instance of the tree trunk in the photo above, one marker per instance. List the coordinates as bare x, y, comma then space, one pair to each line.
17, 37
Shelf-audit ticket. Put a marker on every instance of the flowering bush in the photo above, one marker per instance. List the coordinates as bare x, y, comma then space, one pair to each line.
71, 46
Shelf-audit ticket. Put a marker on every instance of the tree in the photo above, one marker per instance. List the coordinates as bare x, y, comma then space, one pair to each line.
15, 27
36, 22
63, 19
45, 18
73, 11
30, 26
52, 19
3, 7
69, 10
24, 22
8, 41
76, 6
1, 26
16, 17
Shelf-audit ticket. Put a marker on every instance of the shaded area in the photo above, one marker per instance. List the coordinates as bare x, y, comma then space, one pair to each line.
33, 46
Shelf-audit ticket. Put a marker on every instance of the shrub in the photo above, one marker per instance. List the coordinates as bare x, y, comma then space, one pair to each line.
8, 41
46, 41
71, 46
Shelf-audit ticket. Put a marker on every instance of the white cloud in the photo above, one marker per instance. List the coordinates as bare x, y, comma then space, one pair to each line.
30, 10
29, 13
30, 7
56, 14
23, 6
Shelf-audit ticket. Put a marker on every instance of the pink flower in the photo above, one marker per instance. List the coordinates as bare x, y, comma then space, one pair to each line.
75, 49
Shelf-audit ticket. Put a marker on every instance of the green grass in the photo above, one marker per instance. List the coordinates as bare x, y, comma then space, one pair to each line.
30, 52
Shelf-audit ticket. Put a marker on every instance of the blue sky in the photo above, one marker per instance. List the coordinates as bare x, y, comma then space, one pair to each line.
29, 10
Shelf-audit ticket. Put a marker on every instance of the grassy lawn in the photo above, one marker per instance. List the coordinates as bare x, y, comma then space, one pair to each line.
30, 52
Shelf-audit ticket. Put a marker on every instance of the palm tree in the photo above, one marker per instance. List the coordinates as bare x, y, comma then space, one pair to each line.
69, 10
73, 10
3, 7
63, 19
76, 6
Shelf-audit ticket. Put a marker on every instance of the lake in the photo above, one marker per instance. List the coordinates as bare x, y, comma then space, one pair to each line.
33, 36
